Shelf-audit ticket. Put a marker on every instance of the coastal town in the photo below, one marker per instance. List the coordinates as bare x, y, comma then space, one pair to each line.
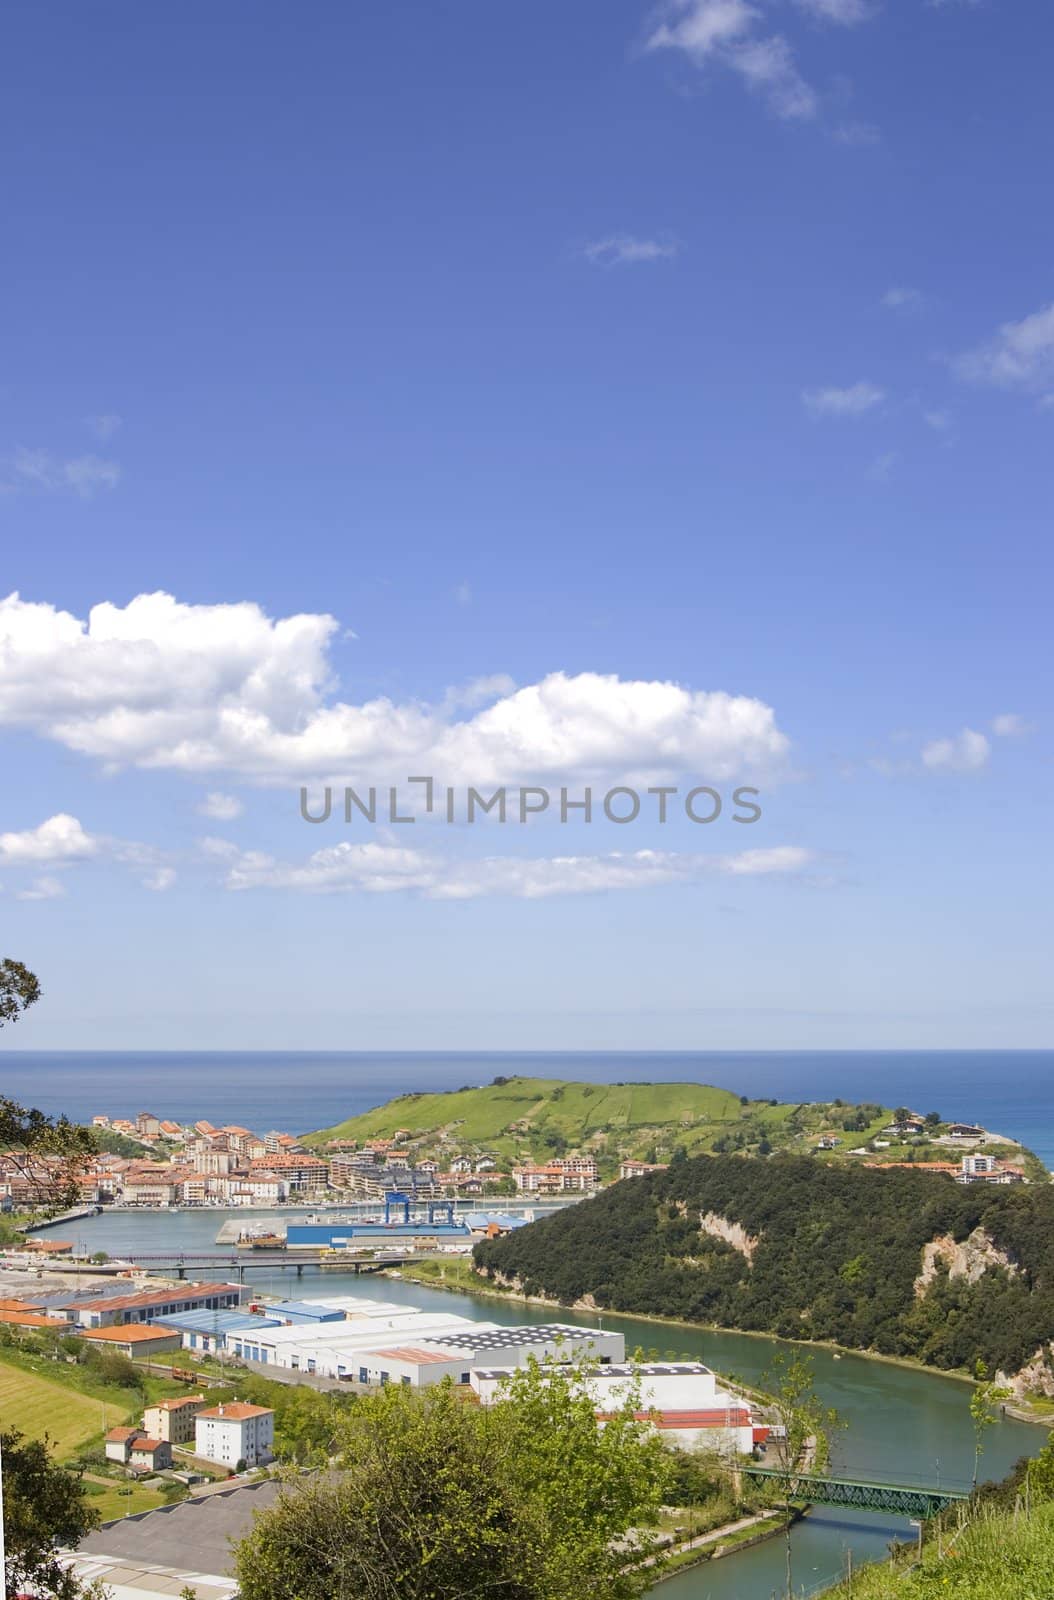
155, 1162
197, 1164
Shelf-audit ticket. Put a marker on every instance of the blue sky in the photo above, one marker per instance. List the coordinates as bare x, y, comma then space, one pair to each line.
556, 394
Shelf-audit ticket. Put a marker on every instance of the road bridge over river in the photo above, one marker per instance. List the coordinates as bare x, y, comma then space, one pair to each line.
179, 1264
909, 1500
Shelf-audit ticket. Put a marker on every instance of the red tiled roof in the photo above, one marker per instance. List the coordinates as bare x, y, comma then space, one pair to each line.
31, 1319
130, 1333
152, 1297
235, 1411
730, 1417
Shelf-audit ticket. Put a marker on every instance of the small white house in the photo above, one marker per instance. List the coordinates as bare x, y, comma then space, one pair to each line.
228, 1434
133, 1447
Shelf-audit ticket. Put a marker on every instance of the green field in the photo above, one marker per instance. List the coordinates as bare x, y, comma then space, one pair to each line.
36, 1406
517, 1119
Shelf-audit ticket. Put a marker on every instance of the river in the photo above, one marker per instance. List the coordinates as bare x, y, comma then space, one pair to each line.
901, 1423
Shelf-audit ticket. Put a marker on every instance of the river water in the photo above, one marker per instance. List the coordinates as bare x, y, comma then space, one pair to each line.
902, 1424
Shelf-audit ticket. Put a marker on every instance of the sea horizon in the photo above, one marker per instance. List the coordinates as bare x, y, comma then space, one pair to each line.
302, 1090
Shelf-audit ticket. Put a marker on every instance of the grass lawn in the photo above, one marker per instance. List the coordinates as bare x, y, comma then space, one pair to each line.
120, 1499
452, 1274
37, 1406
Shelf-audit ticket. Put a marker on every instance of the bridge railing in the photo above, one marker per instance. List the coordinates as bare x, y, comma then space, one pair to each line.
913, 1500
941, 1485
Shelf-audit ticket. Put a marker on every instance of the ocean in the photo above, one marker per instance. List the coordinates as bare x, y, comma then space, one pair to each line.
1011, 1091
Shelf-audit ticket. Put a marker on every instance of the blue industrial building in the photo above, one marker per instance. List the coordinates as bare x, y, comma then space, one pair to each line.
301, 1311
334, 1235
211, 1330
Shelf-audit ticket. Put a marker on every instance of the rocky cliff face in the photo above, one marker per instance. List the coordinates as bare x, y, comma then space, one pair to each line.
1036, 1377
970, 1259
732, 1233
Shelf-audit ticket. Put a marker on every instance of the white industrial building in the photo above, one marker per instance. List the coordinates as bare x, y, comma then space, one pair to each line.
378, 1342
679, 1398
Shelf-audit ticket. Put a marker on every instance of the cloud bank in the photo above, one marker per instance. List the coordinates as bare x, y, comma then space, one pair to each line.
378, 868
204, 690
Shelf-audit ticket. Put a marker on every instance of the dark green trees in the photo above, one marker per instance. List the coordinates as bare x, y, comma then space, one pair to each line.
44, 1509
437, 1499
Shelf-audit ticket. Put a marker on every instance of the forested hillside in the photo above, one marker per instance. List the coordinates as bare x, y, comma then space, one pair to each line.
810, 1251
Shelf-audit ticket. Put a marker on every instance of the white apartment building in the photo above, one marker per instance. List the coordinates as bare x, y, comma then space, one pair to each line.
227, 1434
557, 1177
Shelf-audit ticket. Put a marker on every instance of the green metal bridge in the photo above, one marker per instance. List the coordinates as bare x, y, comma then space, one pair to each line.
909, 1500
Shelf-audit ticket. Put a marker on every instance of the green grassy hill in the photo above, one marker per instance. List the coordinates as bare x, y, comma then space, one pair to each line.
1000, 1556
36, 1406
531, 1118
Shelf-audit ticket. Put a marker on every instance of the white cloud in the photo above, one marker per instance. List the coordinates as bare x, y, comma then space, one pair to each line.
902, 299
463, 594
104, 424
210, 689
703, 26
221, 807
723, 31
622, 249
776, 858
853, 401
59, 840
160, 880
846, 13
967, 751
43, 889
1008, 725
768, 65
376, 868
1020, 355
939, 421
39, 469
